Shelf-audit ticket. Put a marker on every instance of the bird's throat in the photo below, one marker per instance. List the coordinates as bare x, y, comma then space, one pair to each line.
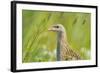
60, 36
58, 46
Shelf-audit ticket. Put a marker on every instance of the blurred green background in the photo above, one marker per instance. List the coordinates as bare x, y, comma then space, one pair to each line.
39, 45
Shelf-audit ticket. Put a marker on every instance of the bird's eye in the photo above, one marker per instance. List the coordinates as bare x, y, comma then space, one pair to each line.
56, 26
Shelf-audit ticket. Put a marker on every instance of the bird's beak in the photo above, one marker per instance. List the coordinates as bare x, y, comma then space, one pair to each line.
51, 29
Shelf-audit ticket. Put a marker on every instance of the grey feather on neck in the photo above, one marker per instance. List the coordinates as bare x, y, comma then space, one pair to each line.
58, 46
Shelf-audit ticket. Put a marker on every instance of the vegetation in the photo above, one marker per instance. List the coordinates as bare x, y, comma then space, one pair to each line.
39, 45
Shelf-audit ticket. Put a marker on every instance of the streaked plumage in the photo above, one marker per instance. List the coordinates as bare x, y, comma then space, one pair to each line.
64, 51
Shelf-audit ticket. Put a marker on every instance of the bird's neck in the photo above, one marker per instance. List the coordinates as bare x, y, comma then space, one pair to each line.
61, 36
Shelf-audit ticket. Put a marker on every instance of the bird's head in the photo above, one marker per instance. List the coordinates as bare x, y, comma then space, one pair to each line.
57, 28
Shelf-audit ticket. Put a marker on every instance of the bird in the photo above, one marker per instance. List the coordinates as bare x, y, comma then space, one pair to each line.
64, 50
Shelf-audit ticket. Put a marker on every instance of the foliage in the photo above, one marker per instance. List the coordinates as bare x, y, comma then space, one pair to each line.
39, 45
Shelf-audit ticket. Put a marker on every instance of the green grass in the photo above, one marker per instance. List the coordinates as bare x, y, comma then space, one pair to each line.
39, 45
